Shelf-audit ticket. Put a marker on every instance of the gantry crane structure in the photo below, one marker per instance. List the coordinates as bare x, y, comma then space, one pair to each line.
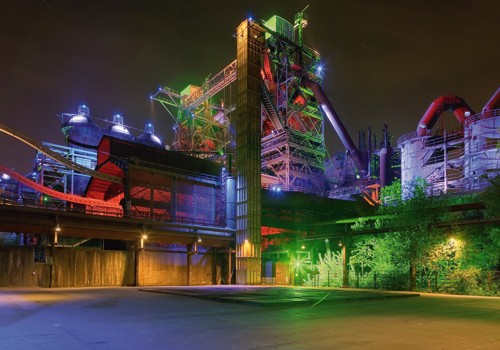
201, 127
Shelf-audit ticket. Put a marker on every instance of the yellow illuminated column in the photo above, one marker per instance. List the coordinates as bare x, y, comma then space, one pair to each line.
250, 43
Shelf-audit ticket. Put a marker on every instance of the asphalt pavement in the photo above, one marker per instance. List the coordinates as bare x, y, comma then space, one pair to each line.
244, 317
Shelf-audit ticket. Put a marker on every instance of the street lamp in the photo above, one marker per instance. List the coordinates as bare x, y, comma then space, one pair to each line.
143, 238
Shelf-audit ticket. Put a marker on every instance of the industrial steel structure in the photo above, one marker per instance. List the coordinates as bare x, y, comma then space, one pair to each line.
252, 131
453, 161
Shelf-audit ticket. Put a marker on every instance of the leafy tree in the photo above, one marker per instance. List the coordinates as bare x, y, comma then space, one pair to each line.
413, 221
330, 269
491, 198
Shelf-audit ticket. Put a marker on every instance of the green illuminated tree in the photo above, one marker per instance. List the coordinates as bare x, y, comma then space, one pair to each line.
422, 239
329, 269
490, 197
412, 224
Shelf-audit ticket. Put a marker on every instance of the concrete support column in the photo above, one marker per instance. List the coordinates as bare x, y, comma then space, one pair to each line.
137, 256
345, 264
189, 252
229, 266
127, 200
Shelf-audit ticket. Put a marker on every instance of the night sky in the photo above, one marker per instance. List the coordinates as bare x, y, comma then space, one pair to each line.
385, 61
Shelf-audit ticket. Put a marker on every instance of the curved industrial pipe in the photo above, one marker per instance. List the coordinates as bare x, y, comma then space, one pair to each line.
56, 156
442, 104
493, 102
341, 131
56, 194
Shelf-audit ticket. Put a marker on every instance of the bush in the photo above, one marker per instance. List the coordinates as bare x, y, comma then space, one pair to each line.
465, 282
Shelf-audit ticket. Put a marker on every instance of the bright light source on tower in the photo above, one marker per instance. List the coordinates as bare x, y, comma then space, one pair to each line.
5, 177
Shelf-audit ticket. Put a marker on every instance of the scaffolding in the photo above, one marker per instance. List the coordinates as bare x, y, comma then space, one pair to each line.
58, 176
201, 126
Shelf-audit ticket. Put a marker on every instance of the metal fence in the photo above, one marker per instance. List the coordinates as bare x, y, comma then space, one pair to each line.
464, 282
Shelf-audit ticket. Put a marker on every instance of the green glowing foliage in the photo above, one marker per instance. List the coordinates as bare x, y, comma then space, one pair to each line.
490, 197
329, 270
435, 257
391, 194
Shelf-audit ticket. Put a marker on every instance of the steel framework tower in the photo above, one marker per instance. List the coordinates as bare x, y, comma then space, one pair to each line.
293, 148
200, 126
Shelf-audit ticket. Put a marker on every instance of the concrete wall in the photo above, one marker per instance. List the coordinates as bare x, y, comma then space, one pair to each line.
18, 269
85, 267
162, 268
202, 270
171, 269
92, 267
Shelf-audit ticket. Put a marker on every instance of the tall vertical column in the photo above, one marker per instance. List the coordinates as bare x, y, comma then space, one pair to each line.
249, 46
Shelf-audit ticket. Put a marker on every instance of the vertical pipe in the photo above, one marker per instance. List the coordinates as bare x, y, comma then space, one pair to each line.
231, 202
369, 160
445, 165
383, 166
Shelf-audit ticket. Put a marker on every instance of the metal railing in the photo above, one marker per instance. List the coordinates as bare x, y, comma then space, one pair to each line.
61, 206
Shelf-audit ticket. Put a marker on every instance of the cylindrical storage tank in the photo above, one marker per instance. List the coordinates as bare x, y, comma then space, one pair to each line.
231, 202
148, 138
413, 153
482, 152
118, 130
80, 131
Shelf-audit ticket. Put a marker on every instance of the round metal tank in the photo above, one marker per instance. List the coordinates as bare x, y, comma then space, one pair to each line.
412, 152
482, 151
80, 130
148, 138
118, 130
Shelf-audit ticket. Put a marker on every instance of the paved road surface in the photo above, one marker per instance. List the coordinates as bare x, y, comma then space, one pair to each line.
128, 318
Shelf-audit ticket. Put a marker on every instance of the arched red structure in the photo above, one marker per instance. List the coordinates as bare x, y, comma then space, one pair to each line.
451, 103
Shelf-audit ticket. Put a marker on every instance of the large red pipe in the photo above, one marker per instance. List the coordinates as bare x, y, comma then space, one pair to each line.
442, 104
493, 102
